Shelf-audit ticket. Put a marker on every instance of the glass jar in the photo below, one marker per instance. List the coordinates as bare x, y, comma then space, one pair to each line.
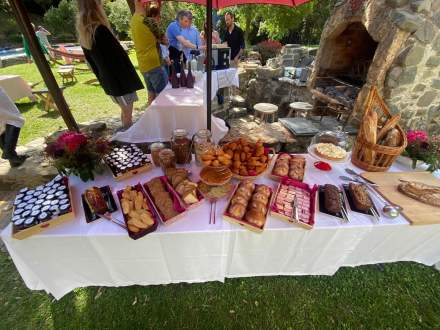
202, 143
181, 145
167, 159
155, 149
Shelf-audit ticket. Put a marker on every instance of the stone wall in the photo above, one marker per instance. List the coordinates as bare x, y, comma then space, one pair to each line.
412, 85
405, 67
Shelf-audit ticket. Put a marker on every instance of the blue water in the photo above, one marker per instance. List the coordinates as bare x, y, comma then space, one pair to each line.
11, 52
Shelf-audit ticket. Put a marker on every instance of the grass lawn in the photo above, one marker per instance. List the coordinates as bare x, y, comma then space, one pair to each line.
86, 102
400, 296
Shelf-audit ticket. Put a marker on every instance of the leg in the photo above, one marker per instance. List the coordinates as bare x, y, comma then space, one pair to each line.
10, 143
126, 115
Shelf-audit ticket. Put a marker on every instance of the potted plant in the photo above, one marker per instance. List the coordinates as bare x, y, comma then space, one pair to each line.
77, 154
423, 148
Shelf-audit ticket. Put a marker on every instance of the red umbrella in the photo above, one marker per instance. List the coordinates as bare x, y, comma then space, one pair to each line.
217, 4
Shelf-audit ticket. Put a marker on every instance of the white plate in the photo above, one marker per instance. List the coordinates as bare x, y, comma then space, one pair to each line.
311, 151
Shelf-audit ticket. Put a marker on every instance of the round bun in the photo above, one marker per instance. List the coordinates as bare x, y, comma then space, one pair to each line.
239, 199
284, 156
237, 210
263, 189
247, 193
258, 206
260, 197
248, 184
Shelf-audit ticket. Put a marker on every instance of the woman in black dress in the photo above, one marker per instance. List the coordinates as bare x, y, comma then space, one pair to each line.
107, 58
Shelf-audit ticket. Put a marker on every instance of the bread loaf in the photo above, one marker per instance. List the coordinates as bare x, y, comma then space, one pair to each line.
360, 197
369, 132
392, 139
422, 192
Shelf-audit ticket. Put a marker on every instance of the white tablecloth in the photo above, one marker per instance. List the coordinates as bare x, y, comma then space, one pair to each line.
180, 108
77, 254
16, 87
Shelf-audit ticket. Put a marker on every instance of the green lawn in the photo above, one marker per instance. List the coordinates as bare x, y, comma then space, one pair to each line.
86, 102
400, 296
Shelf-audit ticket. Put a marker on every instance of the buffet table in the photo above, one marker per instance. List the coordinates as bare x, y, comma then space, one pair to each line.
180, 108
77, 254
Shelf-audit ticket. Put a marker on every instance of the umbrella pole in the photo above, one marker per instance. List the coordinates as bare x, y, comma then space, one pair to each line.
208, 61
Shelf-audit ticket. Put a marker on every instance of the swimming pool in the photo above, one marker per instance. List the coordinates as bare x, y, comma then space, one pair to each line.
12, 52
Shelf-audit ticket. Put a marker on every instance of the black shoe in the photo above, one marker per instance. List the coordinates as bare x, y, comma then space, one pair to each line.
17, 161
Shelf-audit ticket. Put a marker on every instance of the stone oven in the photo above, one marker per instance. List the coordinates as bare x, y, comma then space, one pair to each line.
392, 44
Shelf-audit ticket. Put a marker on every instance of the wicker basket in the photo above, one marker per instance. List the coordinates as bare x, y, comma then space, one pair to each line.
384, 156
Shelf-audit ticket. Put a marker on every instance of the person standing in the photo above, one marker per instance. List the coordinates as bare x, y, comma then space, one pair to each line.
145, 35
107, 58
177, 40
233, 38
192, 35
215, 35
42, 34
11, 122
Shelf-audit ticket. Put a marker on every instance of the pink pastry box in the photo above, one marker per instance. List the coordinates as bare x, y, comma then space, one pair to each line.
282, 208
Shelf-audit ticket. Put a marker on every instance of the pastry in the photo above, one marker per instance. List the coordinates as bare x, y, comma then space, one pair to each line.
258, 206
237, 210
162, 198
422, 192
281, 170
265, 190
360, 197
187, 190
215, 176
247, 159
135, 209
256, 218
330, 151
95, 200
332, 198
239, 199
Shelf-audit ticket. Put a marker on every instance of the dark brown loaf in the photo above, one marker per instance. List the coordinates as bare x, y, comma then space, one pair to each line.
360, 197
332, 198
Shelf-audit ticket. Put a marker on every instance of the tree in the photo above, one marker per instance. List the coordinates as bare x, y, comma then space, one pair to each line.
119, 16
60, 21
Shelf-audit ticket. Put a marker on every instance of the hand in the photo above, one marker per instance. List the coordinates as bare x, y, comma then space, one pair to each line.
167, 61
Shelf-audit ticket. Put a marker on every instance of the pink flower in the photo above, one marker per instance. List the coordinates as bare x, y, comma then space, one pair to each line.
72, 141
417, 136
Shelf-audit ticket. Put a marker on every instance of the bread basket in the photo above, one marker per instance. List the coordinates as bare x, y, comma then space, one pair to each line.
371, 156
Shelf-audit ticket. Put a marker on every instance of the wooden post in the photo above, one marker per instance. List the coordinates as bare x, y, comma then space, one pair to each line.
41, 62
131, 5
208, 37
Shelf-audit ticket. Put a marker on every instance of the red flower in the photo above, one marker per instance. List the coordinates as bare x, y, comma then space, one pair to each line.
416, 136
72, 141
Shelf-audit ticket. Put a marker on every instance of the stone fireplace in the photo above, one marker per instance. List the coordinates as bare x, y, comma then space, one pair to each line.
392, 44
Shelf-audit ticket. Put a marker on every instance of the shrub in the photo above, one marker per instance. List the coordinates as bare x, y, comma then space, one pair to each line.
60, 21
119, 17
268, 49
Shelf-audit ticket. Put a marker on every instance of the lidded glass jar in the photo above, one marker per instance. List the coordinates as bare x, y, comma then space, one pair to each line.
167, 159
155, 149
181, 145
202, 143
337, 137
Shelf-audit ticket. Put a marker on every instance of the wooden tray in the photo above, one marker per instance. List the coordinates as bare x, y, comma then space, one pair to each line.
25, 233
126, 175
177, 203
144, 232
200, 196
244, 223
312, 210
416, 212
280, 178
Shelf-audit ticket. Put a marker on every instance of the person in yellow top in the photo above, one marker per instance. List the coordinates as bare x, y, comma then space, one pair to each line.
146, 47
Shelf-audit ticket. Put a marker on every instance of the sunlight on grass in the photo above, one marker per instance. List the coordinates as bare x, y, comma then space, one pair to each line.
81, 297
86, 102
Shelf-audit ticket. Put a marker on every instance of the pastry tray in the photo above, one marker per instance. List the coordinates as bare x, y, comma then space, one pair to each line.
313, 194
200, 196
242, 222
351, 203
279, 178
177, 202
24, 233
321, 203
144, 232
111, 204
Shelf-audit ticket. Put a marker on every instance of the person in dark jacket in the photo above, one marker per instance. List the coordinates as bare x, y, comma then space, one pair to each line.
107, 58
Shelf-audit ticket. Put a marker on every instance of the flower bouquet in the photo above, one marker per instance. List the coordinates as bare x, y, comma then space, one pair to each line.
424, 148
77, 154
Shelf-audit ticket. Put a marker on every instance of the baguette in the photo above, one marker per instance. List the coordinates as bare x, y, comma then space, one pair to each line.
422, 192
369, 131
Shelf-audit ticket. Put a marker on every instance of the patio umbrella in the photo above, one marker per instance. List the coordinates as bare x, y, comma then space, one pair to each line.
217, 4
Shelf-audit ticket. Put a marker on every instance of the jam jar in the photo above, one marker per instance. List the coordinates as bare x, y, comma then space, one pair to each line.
181, 145
202, 143
155, 149
167, 159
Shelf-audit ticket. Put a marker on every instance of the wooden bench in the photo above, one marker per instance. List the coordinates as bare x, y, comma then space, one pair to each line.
44, 96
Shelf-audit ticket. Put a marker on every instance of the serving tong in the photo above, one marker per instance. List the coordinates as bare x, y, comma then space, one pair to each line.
343, 208
294, 205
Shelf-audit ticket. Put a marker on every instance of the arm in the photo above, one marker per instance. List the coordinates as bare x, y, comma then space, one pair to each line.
186, 43
242, 45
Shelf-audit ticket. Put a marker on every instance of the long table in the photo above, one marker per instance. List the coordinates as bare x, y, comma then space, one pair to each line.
180, 108
77, 254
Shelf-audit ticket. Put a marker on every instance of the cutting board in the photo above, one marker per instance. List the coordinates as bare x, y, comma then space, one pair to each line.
416, 212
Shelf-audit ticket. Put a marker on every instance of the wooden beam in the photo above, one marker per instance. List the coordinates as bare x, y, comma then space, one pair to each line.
131, 5
42, 64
